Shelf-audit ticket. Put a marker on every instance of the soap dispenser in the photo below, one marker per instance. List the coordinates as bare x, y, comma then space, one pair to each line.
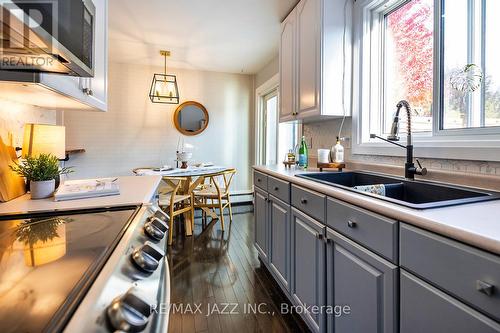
337, 152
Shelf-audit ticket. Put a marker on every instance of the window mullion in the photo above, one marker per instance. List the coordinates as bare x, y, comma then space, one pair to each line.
483, 61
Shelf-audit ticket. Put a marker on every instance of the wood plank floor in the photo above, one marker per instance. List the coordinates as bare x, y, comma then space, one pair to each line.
218, 274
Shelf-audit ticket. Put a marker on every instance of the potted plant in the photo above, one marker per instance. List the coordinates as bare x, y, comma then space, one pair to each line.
41, 172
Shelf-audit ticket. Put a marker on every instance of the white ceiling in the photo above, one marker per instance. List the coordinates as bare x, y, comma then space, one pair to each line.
218, 35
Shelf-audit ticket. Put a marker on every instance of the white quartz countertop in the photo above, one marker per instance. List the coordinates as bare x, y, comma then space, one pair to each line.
134, 190
477, 224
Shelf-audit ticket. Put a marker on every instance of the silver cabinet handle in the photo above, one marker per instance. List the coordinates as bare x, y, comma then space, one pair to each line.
276, 188
485, 288
303, 201
351, 224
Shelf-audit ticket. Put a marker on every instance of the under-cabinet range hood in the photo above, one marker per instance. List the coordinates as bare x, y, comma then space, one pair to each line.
40, 36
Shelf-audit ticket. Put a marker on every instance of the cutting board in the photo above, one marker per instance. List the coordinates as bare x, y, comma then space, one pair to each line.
11, 184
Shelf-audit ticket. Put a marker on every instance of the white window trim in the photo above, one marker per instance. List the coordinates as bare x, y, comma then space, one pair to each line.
469, 144
260, 92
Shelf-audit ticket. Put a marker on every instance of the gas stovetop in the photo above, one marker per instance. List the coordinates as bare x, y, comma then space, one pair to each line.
48, 261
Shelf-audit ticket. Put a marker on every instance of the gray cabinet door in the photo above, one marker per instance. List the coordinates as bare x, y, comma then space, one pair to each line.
308, 268
362, 287
261, 209
427, 309
279, 256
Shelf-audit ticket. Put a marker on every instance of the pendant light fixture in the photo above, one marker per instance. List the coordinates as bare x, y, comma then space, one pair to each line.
164, 86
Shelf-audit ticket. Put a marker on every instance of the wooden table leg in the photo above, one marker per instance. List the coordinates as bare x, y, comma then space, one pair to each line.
189, 187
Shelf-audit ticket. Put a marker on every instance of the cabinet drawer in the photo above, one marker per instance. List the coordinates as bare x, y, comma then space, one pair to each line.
279, 188
310, 202
371, 230
260, 180
428, 309
467, 273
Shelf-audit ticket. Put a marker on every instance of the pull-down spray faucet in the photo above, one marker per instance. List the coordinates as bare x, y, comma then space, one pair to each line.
410, 169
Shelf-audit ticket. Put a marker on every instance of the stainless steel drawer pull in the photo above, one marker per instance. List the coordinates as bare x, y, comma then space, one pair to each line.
485, 288
351, 224
303, 201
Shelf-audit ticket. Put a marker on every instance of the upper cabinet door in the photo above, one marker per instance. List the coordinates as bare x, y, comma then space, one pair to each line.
308, 57
287, 68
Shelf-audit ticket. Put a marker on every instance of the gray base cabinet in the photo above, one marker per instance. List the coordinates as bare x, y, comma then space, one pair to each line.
362, 286
355, 271
308, 267
427, 309
261, 211
279, 256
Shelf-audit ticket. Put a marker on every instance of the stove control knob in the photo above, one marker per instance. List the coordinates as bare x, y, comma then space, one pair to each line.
147, 257
155, 228
128, 313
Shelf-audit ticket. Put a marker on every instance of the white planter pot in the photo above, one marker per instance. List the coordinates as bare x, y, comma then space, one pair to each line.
42, 189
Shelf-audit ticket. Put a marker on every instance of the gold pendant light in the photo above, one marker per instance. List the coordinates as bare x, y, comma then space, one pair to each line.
164, 86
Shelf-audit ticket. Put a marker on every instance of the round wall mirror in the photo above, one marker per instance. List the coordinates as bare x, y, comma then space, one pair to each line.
191, 118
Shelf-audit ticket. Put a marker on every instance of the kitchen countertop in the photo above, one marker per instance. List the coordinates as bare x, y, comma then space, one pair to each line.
476, 224
134, 190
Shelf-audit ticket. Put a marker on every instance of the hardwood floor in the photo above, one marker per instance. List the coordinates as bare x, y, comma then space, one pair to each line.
217, 283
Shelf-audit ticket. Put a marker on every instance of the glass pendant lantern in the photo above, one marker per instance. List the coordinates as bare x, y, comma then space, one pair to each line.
164, 86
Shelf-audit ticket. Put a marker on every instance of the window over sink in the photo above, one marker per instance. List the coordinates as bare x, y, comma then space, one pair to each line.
441, 56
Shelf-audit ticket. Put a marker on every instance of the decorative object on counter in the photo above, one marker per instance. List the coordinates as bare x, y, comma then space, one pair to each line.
47, 139
164, 86
468, 79
41, 172
323, 155
87, 188
303, 154
337, 153
333, 165
191, 118
290, 158
11, 184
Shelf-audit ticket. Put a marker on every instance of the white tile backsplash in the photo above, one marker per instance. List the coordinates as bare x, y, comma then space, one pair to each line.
324, 133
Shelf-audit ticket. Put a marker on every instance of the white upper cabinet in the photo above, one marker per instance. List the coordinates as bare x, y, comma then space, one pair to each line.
315, 73
287, 68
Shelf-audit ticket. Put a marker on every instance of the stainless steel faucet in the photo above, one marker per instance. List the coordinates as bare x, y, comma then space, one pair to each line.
410, 169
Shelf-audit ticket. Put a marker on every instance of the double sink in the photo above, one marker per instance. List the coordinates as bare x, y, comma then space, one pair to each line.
409, 193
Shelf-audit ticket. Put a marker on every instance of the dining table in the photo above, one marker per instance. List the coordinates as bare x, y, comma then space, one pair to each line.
194, 177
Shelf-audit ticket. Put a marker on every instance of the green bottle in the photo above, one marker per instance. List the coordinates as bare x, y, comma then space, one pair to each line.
303, 154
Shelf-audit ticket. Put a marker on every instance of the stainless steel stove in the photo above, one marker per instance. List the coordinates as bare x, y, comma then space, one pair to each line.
100, 270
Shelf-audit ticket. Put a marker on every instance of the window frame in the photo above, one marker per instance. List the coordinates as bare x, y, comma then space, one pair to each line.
368, 73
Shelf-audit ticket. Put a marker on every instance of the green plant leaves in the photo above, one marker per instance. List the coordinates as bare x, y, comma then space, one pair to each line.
40, 168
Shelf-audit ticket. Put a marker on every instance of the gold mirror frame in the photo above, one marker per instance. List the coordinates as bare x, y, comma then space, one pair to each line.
179, 109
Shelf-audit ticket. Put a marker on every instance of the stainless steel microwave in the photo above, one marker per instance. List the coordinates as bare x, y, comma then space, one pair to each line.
48, 36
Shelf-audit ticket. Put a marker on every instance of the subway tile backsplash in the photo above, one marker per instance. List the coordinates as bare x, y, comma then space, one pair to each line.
323, 135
